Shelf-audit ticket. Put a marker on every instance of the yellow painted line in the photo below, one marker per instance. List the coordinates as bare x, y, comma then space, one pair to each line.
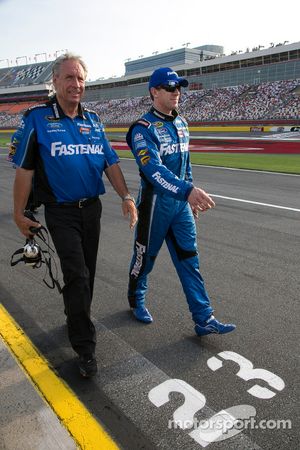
220, 128
83, 427
215, 128
116, 129
192, 128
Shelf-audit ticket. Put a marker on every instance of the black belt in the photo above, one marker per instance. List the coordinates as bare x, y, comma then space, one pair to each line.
82, 203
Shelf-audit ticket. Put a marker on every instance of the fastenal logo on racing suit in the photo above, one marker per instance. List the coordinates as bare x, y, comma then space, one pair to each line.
57, 148
169, 149
140, 250
170, 187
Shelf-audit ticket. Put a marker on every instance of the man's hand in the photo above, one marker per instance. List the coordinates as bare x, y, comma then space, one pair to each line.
200, 201
24, 224
195, 212
128, 207
116, 178
22, 188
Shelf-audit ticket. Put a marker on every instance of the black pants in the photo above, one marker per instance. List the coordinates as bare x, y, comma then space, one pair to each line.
75, 233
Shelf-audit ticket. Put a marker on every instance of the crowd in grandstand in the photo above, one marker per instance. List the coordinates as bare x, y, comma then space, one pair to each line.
272, 100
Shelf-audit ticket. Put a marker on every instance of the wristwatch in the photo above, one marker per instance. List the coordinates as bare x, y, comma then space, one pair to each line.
128, 197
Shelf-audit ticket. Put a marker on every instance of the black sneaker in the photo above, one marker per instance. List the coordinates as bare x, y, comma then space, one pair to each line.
87, 365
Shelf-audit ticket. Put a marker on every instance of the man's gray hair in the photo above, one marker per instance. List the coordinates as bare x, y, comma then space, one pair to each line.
66, 57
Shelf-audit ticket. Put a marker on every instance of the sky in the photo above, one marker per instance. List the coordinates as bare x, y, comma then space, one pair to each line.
107, 33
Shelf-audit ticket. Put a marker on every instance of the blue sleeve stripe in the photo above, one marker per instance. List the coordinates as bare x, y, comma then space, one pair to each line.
26, 147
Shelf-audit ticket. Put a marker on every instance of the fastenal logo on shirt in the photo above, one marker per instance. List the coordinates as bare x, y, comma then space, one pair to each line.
59, 149
169, 149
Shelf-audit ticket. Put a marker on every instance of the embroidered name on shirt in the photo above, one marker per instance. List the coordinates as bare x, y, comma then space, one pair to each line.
59, 149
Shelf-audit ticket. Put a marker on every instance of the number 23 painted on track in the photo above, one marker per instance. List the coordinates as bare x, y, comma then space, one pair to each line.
219, 423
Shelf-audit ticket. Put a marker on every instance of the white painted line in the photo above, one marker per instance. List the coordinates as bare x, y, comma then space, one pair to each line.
255, 203
233, 168
248, 170
281, 138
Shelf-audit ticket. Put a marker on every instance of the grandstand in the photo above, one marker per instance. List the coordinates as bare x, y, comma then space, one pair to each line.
277, 63
38, 73
258, 85
277, 101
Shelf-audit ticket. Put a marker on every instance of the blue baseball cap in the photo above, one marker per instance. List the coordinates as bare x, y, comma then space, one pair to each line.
165, 76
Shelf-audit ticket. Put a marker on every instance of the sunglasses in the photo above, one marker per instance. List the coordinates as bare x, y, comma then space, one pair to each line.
171, 88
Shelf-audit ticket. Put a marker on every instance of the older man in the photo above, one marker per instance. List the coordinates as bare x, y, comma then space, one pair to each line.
63, 148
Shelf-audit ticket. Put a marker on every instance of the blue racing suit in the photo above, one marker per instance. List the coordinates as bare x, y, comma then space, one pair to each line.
159, 144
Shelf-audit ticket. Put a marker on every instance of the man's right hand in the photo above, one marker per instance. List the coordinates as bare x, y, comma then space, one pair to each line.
200, 200
24, 224
22, 188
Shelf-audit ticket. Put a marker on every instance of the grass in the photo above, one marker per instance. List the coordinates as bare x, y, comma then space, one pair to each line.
269, 162
4, 138
274, 163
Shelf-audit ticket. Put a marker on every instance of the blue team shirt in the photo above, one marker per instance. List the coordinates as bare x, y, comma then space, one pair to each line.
67, 155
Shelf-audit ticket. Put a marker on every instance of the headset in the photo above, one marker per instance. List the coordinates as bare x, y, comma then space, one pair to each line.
34, 256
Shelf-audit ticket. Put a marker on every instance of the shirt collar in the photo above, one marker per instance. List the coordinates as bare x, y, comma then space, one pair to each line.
58, 112
167, 117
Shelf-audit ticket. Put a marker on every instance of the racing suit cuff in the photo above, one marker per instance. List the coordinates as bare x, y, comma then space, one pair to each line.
188, 191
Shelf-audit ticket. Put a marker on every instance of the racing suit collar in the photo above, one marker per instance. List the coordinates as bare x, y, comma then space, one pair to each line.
163, 116
58, 112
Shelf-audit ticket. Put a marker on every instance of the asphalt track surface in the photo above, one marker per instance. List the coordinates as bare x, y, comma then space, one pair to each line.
250, 261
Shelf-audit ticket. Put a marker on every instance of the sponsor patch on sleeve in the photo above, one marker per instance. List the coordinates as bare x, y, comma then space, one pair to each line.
145, 160
143, 122
144, 157
138, 137
141, 144
143, 152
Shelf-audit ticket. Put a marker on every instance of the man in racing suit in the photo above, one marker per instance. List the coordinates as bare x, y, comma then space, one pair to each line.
167, 203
